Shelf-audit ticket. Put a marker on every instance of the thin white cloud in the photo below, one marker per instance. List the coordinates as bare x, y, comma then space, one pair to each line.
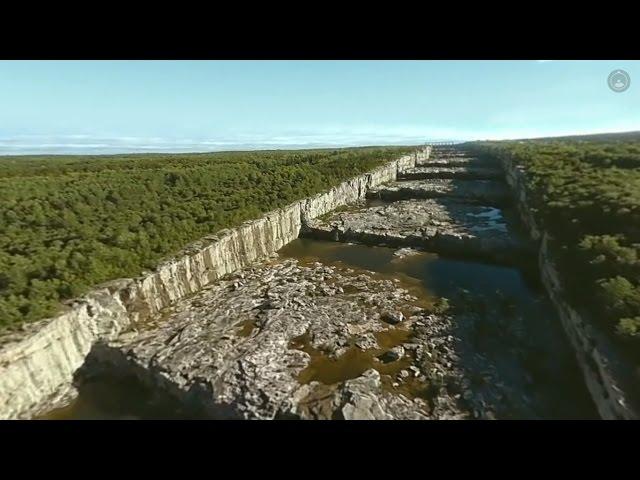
307, 137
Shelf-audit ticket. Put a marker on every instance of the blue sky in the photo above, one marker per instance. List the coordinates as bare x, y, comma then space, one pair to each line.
121, 106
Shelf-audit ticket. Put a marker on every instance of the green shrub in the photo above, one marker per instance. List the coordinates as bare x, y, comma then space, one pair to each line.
441, 306
629, 328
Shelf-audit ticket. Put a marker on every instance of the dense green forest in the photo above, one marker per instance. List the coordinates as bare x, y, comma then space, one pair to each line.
70, 222
585, 191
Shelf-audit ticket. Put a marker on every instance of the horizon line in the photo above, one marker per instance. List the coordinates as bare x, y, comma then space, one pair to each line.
9, 149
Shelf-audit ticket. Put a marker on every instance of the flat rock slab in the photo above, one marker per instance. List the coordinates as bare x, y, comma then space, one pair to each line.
473, 191
468, 172
438, 153
437, 225
458, 161
285, 340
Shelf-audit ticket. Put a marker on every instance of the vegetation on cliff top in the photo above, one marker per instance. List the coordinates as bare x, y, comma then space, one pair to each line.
68, 223
585, 192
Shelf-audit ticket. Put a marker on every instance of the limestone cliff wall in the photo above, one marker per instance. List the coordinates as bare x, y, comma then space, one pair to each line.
515, 176
38, 364
607, 377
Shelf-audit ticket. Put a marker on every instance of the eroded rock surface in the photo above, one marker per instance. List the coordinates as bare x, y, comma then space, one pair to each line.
457, 160
488, 192
435, 224
445, 171
288, 340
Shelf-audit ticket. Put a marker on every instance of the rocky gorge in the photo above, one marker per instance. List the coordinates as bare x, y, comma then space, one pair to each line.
397, 295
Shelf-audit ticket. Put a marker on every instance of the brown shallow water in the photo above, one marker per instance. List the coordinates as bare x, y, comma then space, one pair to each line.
354, 361
553, 380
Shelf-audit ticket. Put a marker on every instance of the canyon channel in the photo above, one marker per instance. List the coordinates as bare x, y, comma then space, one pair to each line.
419, 299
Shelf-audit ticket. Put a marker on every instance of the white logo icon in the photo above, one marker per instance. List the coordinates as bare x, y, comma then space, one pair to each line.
619, 81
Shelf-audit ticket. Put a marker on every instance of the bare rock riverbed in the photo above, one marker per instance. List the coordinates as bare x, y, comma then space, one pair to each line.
439, 225
294, 339
484, 192
284, 340
469, 171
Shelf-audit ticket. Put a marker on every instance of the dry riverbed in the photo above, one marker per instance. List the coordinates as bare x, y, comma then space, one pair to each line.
312, 335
